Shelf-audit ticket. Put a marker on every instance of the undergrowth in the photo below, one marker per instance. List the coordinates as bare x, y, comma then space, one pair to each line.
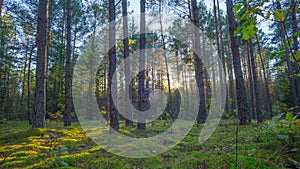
57, 147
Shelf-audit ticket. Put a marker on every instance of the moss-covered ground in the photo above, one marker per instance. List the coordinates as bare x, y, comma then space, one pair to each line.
258, 147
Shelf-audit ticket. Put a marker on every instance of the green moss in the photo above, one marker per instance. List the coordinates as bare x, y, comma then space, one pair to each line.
254, 163
23, 147
199, 155
24, 153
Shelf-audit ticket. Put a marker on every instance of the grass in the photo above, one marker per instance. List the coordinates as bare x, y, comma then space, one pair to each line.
23, 147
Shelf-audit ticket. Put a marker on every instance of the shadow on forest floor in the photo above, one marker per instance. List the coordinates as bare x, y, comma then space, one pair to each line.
258, 147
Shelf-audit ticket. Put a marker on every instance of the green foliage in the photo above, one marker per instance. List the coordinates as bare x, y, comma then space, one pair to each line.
60, 162
248, 29
279, 15
296, 58
278, 53
245, 13
297, 34
3, 120
286, 126
56, 116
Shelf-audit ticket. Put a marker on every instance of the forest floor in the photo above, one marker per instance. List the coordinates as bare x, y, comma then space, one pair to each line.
258, 147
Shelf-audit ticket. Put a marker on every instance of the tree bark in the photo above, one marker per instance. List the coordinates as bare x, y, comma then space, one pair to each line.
67, 114
268, 97
1, 6
213, 68
231, 87
231, 82
128, 122
223, 57
198, 64
141, 91
206, 75
250, 79
240, 86
49, 15
294, 25
114, 115
295, 43
256, 84
165, 57
288, 61
218, 45
40, 109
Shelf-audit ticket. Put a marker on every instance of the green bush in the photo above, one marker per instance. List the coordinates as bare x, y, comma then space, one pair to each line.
285, 126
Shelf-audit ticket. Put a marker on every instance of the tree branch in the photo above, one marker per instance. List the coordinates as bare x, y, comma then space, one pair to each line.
118, 3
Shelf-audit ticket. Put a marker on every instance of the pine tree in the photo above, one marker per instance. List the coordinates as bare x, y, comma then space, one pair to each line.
40, 93
198, 64
141, 78
67, 114
113, 112
240, 86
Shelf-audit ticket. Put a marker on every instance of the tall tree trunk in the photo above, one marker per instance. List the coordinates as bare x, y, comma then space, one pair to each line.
198, 64
141, 91
62, 52
250, 79
165, 56
231, 86
29, 115
1, 6
177, 53
67, 114
240, 86
73, 57
223, 57
268, 97
218, 46
294, 25
288, 61
206, 75
207, 87
49, 15
39, 115
213, 68
105, 84
127, 62
256, 84
114, 115
295, 43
